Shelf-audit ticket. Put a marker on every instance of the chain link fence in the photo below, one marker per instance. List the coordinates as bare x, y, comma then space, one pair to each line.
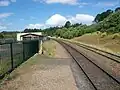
15, 53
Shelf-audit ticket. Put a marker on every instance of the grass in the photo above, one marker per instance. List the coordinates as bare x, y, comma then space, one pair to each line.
109, 42
5, 65
19, 70
49, 48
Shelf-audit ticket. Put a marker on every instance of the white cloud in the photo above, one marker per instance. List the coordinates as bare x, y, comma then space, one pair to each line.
81, 18
39, 1
82, 4
9, 24
13, 0
107, 4
32, 26
33, 18
56, 20
70, 2
3, 27
4, 15
59, 20
22, 19
4, 2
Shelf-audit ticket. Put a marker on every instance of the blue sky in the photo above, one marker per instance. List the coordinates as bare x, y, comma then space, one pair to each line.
20, 14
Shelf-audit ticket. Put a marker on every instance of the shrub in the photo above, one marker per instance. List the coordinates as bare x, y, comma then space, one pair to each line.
103, 35
98, 32
115, 36
1, 35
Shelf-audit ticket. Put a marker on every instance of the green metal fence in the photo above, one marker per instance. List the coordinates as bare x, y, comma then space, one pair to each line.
15, 53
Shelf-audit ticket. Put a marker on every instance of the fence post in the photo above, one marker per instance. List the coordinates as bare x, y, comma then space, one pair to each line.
41, 47
23, 52
11, 50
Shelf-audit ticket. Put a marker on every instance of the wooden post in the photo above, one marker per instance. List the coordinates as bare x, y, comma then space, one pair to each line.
41, 47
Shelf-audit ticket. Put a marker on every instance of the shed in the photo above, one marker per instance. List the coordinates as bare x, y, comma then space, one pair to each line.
29, 36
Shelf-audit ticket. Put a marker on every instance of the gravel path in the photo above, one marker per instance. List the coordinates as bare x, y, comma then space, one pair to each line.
40, 73
60, 51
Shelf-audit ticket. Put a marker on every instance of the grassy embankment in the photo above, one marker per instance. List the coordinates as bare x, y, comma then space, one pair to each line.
49, 48
110, 43
22, 69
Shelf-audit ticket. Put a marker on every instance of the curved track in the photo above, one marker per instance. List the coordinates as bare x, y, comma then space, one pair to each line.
98, 78
108, 55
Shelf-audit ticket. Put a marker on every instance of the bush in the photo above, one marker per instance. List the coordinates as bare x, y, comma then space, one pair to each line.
115, 36
118, 28
103, 35
112, 30
1, 35
98, 32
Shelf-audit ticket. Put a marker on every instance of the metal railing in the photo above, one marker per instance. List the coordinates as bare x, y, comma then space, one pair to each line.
15, 53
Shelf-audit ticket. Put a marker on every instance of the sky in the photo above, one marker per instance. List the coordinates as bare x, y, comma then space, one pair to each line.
16, 15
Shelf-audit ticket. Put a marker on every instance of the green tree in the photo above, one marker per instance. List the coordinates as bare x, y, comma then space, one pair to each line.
102, 16
1, 35
110, 24
107, 21
117, 9
76, 24
67, 24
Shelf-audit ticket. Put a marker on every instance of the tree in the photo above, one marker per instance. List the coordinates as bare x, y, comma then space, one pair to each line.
102, 16
117, 9
27, 30
107, 21
1, 35
76, 24
67, 24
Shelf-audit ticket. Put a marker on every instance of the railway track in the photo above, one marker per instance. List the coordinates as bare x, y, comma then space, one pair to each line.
108, 55
98, 78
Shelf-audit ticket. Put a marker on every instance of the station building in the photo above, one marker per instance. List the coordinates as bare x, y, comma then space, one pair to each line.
30, 36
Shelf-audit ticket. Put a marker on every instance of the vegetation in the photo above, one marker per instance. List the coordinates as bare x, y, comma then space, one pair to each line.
107, 22
49, 48
32, 30
111, 24
117, 9
5, 34
102, 16
67, 24
103, 41
1, 35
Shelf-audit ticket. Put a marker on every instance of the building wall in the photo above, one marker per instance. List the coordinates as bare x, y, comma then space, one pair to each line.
20, 38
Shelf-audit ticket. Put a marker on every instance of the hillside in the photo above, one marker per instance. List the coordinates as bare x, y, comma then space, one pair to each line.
108, 33
106, 43
111, 24
108, 21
